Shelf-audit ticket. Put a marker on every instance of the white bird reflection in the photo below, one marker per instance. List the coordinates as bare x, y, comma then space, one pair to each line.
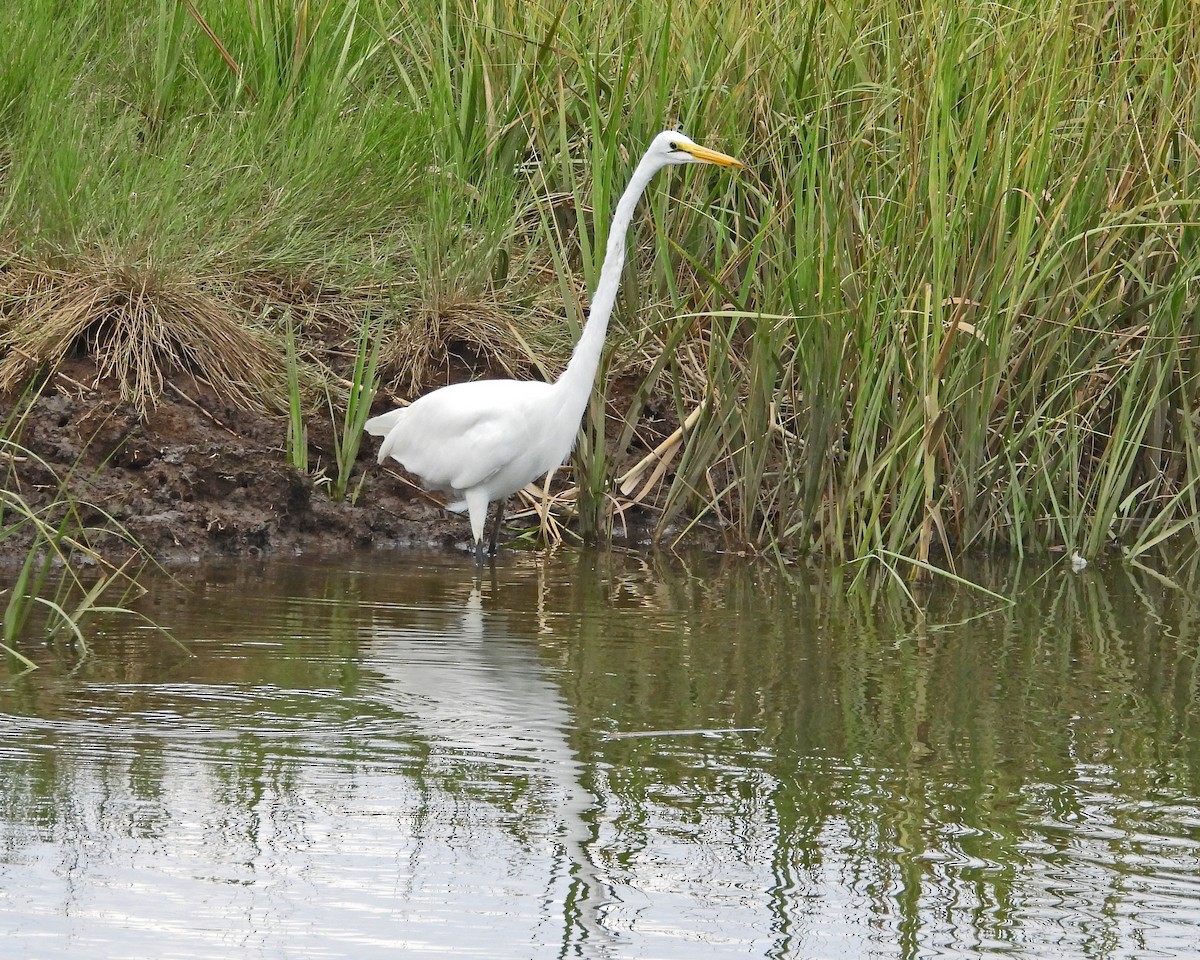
496, 729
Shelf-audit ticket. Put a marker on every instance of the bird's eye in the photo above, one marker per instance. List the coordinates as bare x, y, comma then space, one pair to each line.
673, 145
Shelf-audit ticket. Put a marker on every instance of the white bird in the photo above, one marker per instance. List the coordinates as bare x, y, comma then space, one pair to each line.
486, 439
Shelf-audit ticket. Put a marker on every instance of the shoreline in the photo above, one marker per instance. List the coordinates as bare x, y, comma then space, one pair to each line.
198, 478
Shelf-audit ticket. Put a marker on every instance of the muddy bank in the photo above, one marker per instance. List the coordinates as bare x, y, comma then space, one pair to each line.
200, 477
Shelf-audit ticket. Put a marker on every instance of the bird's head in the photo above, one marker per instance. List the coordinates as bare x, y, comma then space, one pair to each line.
672, 147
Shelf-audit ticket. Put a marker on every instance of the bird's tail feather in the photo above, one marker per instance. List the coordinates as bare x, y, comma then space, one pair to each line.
381, 425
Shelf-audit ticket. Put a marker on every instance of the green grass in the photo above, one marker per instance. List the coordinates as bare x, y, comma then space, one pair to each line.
64, 580
952, 305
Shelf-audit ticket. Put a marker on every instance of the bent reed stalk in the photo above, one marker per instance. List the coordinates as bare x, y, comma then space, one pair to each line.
955, 309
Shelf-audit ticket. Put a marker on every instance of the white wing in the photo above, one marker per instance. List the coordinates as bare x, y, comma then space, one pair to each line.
462, 435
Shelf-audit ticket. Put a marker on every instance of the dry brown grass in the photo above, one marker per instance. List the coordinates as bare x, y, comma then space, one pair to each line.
439, 339
139, 327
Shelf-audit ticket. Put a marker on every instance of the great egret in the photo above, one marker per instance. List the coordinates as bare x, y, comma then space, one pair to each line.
486, 439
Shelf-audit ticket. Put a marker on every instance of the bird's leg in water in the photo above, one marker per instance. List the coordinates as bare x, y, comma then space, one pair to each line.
494, 540
479, 553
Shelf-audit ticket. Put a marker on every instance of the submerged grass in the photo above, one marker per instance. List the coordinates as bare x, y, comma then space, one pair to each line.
954, 306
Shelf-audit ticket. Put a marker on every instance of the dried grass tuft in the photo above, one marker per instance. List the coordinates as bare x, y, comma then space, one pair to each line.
423, 350
139, 327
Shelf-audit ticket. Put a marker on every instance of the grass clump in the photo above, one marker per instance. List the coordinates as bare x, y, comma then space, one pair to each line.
64, 579
952, 307
136, 327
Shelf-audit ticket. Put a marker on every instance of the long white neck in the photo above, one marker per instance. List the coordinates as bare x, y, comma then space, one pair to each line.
574, 387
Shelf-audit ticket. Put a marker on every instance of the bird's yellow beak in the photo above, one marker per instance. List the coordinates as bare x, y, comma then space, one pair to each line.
705, 155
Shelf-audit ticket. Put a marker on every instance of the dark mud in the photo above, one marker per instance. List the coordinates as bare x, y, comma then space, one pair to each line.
199, 477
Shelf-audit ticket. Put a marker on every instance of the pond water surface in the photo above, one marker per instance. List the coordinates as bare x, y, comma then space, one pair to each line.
609, 755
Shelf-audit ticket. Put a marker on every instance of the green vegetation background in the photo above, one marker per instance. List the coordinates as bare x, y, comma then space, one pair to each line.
953, 302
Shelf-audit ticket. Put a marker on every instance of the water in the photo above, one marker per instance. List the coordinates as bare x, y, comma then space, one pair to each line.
609, 756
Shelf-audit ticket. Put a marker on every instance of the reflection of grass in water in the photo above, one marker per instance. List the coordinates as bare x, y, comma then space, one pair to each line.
748, 636
933, 752
61, 540
947, 309
929, 767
